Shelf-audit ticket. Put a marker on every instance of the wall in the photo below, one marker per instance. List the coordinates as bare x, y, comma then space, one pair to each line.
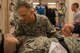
0, 15
5, 16
69, 13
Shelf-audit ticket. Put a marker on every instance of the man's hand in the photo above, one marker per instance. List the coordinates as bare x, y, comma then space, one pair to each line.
67, 30
10, 43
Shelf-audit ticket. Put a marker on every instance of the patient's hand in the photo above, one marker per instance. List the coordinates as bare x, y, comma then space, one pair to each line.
10, 43
67, 30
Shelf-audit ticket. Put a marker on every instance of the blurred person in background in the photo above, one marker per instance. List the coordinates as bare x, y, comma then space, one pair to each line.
61, 15
40, 8
74, 27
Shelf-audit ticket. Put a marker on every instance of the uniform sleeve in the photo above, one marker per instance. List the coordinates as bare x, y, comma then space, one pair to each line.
51, 31
50, 28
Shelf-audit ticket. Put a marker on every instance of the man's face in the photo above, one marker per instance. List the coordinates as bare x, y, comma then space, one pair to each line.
40, 1
25, 14
73, 7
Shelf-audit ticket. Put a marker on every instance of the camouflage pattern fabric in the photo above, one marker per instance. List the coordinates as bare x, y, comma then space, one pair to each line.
73, 44
41, 45
34, 37
30, 33
37, 45
42, 26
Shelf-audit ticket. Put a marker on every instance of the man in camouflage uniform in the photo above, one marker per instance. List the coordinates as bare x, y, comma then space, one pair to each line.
33, 30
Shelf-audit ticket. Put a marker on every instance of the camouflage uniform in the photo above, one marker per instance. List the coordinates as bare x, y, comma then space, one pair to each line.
34, 37
42, 26
73, 44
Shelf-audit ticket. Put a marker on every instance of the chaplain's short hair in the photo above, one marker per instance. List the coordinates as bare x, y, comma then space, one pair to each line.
25, 4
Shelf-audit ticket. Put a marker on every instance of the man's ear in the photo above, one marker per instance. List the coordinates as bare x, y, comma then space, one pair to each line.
32, 12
